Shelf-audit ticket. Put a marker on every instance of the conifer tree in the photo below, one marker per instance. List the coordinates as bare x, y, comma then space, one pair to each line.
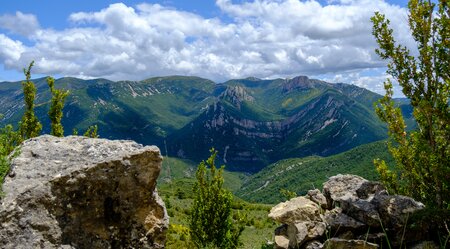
422, 156
56, 106
210, 217
29, 126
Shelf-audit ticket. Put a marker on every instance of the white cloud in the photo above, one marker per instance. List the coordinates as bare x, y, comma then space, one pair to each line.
10, 51
20, 23
278, 38
369, 79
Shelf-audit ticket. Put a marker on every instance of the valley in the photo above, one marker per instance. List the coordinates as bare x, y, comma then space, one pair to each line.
251, 122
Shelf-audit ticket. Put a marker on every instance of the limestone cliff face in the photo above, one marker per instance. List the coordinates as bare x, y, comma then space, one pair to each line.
236, 95
77, 192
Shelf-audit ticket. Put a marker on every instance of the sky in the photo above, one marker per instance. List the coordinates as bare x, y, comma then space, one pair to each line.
219, 40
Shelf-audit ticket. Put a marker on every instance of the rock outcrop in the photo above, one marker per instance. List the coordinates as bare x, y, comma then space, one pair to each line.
78, 192
352, 212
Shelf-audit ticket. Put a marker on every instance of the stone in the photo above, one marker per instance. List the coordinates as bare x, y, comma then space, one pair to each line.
295, 210
349, 187
425, 245
361, 210
315, 244
376, 238
281, 242
299, 233
340, 222
345, 235
336, 243
78, 192
394, 210
316, 196
281, 230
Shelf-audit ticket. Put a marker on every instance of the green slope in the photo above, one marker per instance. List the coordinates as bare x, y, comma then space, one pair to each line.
145, 111
252, 122
250, 136
181, 172
301, 174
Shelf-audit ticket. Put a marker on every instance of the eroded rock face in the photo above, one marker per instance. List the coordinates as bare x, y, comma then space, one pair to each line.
77, 192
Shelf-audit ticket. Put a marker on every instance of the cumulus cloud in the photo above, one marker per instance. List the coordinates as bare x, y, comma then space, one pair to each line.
20, 23
372, 79
265, 39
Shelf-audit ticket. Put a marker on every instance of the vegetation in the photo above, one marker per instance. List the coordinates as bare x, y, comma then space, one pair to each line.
173, 110
57, 104
210, 220
298, 175
30, 125
9, 139
176, 188
422, 156
91, 132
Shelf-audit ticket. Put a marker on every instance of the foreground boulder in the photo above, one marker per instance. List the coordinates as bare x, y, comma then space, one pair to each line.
352, 212
302, 222
78, 192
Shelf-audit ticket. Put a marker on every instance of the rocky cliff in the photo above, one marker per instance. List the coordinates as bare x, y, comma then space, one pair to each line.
77, 192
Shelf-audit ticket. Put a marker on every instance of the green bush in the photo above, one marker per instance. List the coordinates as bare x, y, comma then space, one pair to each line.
210, 220
422, 156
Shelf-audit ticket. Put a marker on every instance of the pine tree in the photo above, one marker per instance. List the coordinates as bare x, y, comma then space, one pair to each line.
422, 156
210, 220
56, 106
29, 126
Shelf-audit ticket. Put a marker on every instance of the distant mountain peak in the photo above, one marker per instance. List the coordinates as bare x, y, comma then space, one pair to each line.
299, 83
253, 79
236, 95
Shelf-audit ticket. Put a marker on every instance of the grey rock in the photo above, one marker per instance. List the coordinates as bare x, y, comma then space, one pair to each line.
316, 196
340, 222
368, 189
281, 242
315, 244
299, 233
394, 210
297, 209
425, 245
335, 243
281, 230
376, 238
346, 235
361, 210
78, 192
347, 187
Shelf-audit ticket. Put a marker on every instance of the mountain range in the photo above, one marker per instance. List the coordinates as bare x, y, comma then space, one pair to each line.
251, 122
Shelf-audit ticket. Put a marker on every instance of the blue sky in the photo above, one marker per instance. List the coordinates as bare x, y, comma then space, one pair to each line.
223, 39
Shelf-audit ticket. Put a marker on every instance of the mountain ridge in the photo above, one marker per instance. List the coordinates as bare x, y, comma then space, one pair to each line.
252, 122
